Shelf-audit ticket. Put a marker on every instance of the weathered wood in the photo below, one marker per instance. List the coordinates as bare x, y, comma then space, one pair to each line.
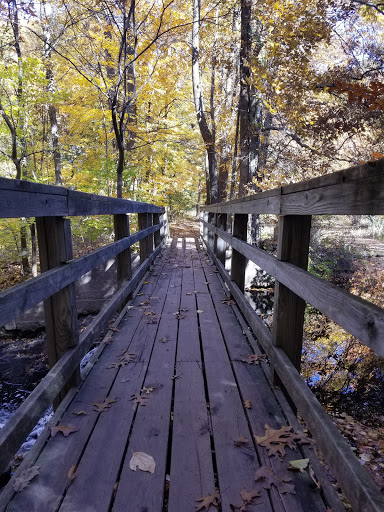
288, 308
20, 198
156, 234
143, 224
30, 411
211, 238
55, 248
124, 260
150, 239
22, 297
220, 244
239, 263
359, 317
358, 487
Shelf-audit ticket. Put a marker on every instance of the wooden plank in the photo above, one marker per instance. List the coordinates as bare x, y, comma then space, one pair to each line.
15, 203
235, 465
22, 297
238, 262
359, 317
358, 487
191, 475
25, 418
288, 308
270, 205
151, 427
55, 248
124, 258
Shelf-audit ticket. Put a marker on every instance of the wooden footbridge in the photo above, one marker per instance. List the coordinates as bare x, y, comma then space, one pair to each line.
171, 412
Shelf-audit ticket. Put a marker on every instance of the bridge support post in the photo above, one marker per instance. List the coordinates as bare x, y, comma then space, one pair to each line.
211, 237
288, 312
123, 259
145, 220
156, 234
239, 262
220, 245
55, 249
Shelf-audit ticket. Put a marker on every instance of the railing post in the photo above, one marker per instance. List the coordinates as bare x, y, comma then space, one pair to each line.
211, 238
239, 262
123, 259
205, 228
220, 245
144, 245
156, 235
288, 311
55, 249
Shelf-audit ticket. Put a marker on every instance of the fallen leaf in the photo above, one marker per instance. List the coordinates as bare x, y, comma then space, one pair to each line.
199, 311
207, 501
314, 478
176, 377
254, 358
148, 390
228, 302
241, 441
145, 303
150, 313
79, 413
164, 339
206, 282
114, 329
282, 485
115, 487
64, 429
189, 293
142, 461
102, 407
72, 473
22, 481
276, 440
138, 399
249, 497
299, 464
179, 317
248, 404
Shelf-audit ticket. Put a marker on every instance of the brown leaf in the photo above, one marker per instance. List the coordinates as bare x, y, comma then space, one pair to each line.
248, 404
64, 429
254, 358
282, 485
207, 501
79, 413
72, 473
22, 481
314, 478
115, 487
164, 339
103, 407
241, 441
249, 497
148, 390
138, 399
276, 440
228, 302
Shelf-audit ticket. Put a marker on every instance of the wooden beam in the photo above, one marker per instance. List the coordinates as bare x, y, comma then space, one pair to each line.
288, 308
239, 262
124, 259
156, 234
23, 296
55, 249
359, 317
17, 428
143, 224
360, 490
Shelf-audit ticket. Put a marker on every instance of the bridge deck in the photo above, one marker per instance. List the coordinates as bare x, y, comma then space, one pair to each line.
182, 399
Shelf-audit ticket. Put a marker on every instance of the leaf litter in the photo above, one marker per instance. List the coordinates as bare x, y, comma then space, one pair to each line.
22, 481
142, 461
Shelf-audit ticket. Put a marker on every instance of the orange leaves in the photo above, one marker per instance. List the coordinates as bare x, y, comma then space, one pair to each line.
103, 407
254, 358
370, 96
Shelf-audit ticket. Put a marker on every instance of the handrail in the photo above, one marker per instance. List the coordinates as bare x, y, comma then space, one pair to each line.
50, 205
358, 190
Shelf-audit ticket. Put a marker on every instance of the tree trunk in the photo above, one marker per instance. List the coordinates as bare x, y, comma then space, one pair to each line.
208, 136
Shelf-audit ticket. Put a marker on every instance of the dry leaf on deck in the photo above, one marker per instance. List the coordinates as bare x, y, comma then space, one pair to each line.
164, 339
248, 404
228, 302
72, 473
299, 464
282, 485
199, 311
249, 497
241, 441
254, 358
64, 429
142, 461
314, 478
276, 440
207, 501
102, 407
138, 399
148, 390
79, 413
22, 481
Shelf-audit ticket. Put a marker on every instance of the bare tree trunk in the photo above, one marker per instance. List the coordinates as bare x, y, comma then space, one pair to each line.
207, 135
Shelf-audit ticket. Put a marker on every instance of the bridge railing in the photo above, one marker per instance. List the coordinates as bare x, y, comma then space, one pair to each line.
355, 191
55, 285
